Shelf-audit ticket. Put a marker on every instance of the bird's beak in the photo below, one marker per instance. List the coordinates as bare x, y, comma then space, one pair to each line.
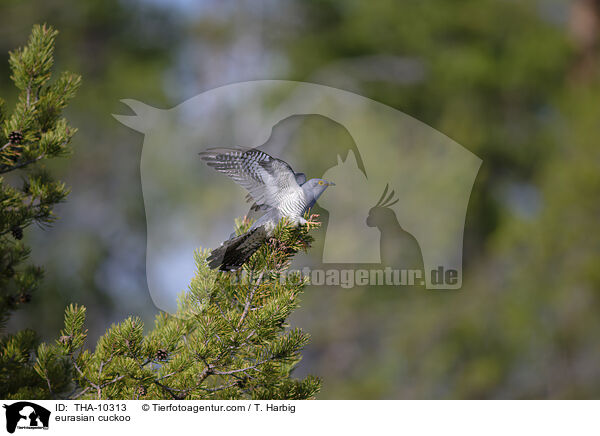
330, 184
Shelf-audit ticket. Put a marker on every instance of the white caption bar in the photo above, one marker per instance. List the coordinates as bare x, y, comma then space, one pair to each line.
302, 417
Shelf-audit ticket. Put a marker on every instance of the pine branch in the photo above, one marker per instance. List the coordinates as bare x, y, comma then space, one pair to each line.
199, 353
249, 301
34, 132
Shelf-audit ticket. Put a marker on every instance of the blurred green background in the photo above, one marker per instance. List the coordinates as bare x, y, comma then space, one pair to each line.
515, 82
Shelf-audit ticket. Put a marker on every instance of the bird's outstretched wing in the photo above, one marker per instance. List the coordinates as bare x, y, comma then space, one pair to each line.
267, 179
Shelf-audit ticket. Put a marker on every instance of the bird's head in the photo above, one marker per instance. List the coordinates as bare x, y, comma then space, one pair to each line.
317, 186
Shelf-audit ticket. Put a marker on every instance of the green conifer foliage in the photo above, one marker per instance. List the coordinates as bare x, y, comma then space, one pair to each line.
228, 340
33, 132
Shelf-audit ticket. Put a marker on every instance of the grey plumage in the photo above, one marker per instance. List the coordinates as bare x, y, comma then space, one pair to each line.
277, 191
300, 179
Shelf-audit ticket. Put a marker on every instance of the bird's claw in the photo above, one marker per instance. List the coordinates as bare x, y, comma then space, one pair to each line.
312, 221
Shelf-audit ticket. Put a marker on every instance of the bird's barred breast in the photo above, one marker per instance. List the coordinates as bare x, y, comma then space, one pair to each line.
293, 204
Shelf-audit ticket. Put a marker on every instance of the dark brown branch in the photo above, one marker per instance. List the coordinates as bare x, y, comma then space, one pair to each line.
22, 164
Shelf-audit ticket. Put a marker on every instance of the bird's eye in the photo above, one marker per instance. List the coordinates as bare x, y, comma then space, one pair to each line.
320, 182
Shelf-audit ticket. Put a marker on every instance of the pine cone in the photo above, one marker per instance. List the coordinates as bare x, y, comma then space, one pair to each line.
24, 298
162, 354
141, 391
17, 232
15, 137
242, 382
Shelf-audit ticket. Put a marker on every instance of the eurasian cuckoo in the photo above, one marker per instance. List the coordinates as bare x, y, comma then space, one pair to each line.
277, 191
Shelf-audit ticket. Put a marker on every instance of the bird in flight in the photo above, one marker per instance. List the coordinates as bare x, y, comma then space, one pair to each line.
278, 192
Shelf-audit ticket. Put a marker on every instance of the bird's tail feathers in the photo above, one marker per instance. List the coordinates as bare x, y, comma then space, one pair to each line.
235, 252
